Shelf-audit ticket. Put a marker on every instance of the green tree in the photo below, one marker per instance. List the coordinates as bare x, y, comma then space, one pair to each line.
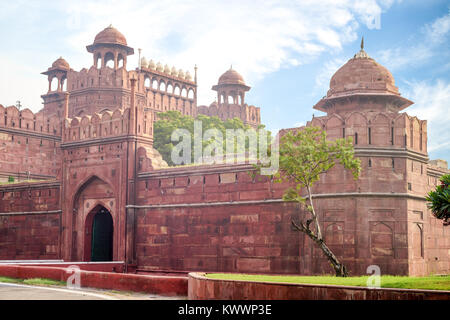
305, 155
169, 121
439, 200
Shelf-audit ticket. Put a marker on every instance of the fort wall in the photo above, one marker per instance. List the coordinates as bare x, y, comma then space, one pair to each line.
29, 145
30, 218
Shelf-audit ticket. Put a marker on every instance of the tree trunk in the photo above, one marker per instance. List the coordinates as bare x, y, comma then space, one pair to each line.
339, 268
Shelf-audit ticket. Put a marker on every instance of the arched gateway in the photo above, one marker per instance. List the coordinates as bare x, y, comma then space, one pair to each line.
99, 235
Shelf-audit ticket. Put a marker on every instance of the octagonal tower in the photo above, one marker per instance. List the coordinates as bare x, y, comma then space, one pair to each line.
381, 218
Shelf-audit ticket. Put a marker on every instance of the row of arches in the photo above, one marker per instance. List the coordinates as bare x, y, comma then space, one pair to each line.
113, 60
223, 99
230, 98
57, 83
169, 88
365, 119
381, 238
381, 129
228, 111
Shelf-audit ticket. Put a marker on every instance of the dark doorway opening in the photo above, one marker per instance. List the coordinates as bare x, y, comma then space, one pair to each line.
102, 236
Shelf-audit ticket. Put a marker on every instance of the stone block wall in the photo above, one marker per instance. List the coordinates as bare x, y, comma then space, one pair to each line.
30, 221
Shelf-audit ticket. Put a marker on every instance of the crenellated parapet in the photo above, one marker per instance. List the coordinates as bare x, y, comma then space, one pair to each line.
95, 78
168, 72
106, 124
381, 129
29, 145
96, 90
27, 122
167, 88
249, 115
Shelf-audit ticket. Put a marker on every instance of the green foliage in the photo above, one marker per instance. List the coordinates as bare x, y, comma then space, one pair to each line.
306, 154
439, 200
387, 281
10, 179
33, 281
169, 121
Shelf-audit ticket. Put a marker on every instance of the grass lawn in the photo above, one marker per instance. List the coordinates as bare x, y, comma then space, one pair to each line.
34, 281
429, 282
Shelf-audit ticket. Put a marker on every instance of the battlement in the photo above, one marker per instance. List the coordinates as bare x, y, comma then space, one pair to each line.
27, 122
168, 84
93, 77
96, 90
248, 114
30, 144
106, 124
167, 89
380, 129
166, 71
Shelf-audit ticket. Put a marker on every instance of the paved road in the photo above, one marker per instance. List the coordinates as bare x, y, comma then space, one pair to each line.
10, 291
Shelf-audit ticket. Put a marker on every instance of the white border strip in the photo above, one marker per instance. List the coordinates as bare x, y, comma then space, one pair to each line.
105, 297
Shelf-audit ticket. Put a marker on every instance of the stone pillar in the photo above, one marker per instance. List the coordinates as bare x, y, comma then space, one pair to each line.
66, 105
130, 236
132, 107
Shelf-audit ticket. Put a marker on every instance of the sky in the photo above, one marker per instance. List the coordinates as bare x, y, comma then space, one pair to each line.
286, 51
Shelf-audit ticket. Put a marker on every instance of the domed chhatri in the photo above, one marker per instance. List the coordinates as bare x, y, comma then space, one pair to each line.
60, 63
362, 76
231, 77
110, 35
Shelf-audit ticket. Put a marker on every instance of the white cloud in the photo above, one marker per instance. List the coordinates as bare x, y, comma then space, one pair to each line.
432, 102
256, 37
401, 57
21, 82
424, 46
437, 31
324, 75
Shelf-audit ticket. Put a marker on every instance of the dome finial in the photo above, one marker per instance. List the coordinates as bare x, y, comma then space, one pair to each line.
361, 53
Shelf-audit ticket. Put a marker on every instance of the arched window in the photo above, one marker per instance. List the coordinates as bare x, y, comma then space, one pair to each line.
169, 88
98, 61
109, 60
64, 84
176, 91
54, 84
120, 61
155, 84
184, 92
230, 100
191, 94
147, 82
162, 86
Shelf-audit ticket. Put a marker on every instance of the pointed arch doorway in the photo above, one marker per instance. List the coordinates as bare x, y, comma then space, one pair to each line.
99, 235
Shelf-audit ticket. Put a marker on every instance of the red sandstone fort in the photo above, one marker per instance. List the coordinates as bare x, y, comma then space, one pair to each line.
94, 189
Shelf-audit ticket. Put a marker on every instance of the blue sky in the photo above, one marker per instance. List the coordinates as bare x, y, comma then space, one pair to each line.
286, 50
